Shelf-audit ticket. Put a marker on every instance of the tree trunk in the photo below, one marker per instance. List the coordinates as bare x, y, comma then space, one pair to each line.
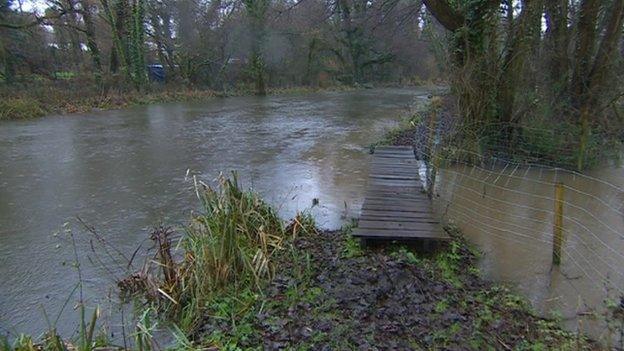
94, 51
585, 45
514, 63
591, 78
558, 41
256, 13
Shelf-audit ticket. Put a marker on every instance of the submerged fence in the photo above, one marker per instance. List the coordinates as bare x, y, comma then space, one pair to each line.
557, 234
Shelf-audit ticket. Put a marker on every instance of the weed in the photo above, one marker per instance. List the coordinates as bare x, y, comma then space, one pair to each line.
441, 306
20, 108
352, 247
230, 253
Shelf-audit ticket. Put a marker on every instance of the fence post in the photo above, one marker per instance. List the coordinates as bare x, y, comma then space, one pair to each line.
430, 144
558, 224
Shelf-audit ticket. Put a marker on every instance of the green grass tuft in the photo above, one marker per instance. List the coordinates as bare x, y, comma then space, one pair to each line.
20, 108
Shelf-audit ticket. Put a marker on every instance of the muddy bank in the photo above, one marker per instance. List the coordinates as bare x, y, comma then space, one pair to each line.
336, 296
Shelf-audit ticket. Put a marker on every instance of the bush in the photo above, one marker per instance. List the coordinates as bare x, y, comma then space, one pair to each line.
20, 108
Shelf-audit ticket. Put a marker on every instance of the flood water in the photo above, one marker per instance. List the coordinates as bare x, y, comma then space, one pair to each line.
508, 211
124, 171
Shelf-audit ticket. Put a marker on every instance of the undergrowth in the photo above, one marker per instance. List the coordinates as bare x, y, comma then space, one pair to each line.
227, 256
24, 101
20, 108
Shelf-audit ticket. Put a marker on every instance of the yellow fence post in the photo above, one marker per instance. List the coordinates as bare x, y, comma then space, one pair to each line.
558, 224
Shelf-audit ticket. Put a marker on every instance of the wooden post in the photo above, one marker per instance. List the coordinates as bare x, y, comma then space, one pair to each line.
431, 172
558, 224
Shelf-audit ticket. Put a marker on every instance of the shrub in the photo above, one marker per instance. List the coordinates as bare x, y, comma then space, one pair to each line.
20, 108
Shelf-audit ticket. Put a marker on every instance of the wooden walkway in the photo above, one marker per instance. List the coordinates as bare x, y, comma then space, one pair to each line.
395, 207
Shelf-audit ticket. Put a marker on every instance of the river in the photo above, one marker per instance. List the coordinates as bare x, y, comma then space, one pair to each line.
123, 171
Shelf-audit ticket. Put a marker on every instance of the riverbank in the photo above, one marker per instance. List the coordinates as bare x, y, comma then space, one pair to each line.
388, 298
58, 98
313, 289
62, 98
243, 280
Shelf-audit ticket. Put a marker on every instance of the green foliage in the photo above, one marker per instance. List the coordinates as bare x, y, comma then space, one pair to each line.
144, 330
449, 263
230, 252
352, 247
137, 44
230, 245
20, 108
22, 343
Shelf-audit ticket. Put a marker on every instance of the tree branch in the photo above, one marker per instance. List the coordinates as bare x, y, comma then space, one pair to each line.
450, 18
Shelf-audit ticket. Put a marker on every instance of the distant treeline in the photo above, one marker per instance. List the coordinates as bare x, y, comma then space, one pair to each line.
218, 44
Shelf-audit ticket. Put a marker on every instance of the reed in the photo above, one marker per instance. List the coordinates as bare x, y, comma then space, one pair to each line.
230, 247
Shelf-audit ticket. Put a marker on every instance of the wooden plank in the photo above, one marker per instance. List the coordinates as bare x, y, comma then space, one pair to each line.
394, 147
390, 166
389, 191
409, 186
400, 160
396, 214
409, 154
374, 207
380, 200
398, 189
392, 182
377, 150
402, 216
418, 226
407, 203
438, 234
381, 174
384, 149
394, 169
394, 205
384, 196
392, 156
404, 164
399, 219
405, 200
391, 169
381, 171
395, 176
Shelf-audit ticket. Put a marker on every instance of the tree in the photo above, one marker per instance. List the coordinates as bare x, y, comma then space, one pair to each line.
257, 17
490, 73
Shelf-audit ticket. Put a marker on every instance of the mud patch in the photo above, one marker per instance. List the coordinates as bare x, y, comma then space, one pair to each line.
334, 296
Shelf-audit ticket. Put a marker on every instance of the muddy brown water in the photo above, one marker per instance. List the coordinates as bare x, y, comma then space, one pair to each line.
508, 212
124, 171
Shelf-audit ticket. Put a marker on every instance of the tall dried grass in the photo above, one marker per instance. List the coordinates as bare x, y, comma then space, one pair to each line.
229, 247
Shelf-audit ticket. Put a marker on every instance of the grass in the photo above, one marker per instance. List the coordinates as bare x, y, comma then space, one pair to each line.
404, 133
20, 108
77, 94
228, 255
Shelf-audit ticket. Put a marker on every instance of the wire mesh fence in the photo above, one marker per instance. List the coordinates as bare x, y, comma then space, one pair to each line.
557, 234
